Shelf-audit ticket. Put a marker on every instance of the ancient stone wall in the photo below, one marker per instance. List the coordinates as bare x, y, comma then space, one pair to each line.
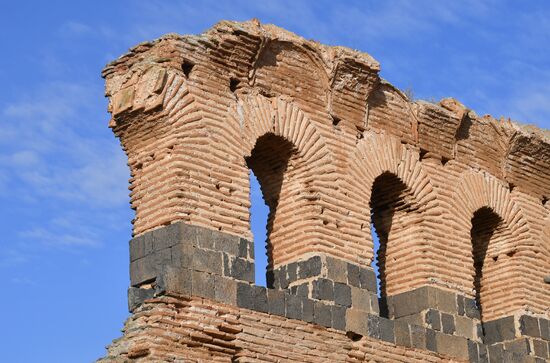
459, 202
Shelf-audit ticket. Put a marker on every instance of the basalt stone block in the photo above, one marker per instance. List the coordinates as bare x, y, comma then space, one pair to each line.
182, 255
473, 353
540, 348
143, 270
228, 244
483, 353
203, 284
544, 326
465, 327
433, 319
342, 294
418, 336
322, 314
208, 261
337, 270
518, 347
137, 296
281, 276
452, 346
460, 305
354, 275
323, 289
292, 271
225, 290
276, 302
163, 257
300, 290
205, 238
380, 328
245, 297
447, 323
243, 249
367, 280
174, 279
166, 236
242, 269
446, 301
499, 330
338, 317
496, 353
293, 307
431, 343
402, 333
309, 268
529, 325
470, 309
259, 294
137, 248
308, 310
356, 321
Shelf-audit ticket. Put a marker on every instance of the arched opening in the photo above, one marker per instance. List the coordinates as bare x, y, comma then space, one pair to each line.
488, 234
268, 162
395, 223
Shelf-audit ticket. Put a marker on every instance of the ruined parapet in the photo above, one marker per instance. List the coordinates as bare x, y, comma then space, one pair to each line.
460, 204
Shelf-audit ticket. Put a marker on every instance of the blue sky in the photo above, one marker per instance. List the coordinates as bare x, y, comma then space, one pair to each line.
65, 216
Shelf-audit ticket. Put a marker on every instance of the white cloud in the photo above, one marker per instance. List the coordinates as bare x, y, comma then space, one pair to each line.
47, 238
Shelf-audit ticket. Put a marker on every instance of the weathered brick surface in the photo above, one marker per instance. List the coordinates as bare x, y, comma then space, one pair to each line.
460, 204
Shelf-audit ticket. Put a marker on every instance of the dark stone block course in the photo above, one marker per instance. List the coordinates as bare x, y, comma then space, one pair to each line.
323, 289
418, 336
338, 317
226, 290
496, 353
367, 280
402, 334
518, 346
259, 295
447, 323
276, 302
470, 308
460, 305
354, 275
433, 319
309, 268
137, 296
293, 307
431, 343
540, 348
380, 328
242, 269
308, 311
243, 249
473, 353
342, 294
300, 290
203, 284
322, 314
499, 330
529, 325
245, 298
208, 261
544, 326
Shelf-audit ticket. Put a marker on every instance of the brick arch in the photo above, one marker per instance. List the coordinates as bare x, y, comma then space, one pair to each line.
304, 186
378, 155
478, 192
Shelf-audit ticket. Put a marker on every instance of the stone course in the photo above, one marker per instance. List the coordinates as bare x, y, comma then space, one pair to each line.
459, 203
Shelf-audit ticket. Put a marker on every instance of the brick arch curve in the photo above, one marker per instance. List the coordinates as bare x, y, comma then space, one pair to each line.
377, 155
305, 184
474, 193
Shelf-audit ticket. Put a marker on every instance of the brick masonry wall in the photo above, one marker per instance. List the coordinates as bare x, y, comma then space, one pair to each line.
194, 113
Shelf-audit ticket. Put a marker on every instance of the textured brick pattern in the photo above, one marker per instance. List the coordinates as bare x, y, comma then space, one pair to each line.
459, 201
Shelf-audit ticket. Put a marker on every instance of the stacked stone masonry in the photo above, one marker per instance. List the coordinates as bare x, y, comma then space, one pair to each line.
459, 202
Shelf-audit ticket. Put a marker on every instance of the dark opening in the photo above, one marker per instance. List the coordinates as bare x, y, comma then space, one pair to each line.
186, 67
335, 120
233, 84
268, 163
389, 196
484, 224
463, 131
